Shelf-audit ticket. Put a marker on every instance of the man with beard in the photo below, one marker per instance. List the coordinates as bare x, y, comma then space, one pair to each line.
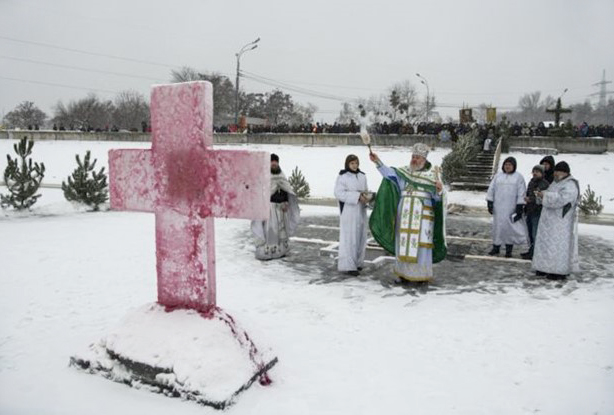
409, 215
556, 244
505, 201
272, 236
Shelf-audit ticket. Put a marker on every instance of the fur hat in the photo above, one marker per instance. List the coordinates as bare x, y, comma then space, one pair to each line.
420, 149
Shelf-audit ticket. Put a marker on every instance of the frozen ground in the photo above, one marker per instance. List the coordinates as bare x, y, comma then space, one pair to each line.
484, 340
320, 165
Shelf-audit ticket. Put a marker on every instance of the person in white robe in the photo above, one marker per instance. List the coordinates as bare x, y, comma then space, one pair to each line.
352, 193
273, 236
505, 201
556, 244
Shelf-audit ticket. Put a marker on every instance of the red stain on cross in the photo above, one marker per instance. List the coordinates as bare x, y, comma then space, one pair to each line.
186, 184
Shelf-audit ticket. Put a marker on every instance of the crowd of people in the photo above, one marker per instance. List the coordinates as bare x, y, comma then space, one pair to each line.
408, 217
446, 131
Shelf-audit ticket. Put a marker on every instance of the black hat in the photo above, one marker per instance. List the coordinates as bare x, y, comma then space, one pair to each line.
274, 157
562, 166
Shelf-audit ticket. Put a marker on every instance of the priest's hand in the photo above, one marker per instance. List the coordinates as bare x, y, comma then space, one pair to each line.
439, 186
284, 206
374, 158
363, 199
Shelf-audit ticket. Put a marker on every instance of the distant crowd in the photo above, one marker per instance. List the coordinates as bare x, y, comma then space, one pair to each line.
446, 130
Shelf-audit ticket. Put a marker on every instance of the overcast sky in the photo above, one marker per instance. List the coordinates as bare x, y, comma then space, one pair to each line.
469, 51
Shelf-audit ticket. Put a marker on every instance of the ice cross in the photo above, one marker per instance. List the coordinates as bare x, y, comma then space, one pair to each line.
186, 184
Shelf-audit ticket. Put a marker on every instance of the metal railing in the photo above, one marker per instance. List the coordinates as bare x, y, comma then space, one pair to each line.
495, 160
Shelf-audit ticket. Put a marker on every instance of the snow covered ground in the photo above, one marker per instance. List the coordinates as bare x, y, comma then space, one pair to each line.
348, 347
352, 347
320, 165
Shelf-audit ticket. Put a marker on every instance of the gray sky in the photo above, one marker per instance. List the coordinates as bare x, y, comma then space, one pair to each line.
470, 51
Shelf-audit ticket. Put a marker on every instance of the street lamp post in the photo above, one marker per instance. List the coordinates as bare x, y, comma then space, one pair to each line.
428, 99
238, 55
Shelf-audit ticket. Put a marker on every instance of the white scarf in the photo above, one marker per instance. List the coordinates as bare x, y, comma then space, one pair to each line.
280, 182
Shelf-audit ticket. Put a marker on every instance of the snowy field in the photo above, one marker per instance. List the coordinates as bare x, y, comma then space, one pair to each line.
348, 347
320, 165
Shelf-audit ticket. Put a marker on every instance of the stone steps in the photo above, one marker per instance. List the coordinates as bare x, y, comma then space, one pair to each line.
478, 173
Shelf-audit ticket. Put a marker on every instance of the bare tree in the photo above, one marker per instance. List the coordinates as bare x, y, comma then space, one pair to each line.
25, 115
130, 111
348, 113
302, 114
223, 91
185, 74
533, 108
402, 99
87, 113
480, 113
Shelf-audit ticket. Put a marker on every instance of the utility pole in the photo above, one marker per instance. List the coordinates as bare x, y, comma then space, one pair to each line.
603, 92
428, 99
238, 55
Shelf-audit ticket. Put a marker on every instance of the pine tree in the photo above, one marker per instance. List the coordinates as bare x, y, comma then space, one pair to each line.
454, 164
82, 189
22, 178
590, 205
299, 184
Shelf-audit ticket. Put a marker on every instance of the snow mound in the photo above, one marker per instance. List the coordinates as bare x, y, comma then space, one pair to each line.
180, 353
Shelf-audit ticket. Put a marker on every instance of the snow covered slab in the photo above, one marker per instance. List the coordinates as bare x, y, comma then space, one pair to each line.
180, 353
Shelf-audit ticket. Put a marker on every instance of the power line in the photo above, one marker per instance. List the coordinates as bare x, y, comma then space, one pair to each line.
81, 69
297, 89
29, 81
316, 84
85, 52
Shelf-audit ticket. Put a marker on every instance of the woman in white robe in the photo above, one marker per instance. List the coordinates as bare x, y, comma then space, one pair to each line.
556, 244
349, 188
505, 199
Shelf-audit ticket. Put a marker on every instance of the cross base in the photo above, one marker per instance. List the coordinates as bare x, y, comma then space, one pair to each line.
203, 357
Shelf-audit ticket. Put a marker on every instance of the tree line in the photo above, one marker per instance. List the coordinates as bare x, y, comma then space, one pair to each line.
399, 104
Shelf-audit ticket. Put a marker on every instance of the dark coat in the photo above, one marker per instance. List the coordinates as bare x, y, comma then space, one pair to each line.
549, 174
531, 207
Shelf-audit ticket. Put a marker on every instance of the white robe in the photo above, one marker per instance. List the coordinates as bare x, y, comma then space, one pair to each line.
272, 236
556, 244
506, 191
353, 221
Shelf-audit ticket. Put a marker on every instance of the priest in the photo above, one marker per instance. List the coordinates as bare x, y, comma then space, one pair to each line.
272, 236
409, 215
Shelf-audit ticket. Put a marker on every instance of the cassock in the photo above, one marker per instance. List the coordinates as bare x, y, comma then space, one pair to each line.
556, 244
409, 220
353, 220
506, 191
272, 236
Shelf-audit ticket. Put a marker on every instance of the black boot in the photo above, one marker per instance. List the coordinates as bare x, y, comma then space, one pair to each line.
495, 250
508, 251
556, 277
529, 254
